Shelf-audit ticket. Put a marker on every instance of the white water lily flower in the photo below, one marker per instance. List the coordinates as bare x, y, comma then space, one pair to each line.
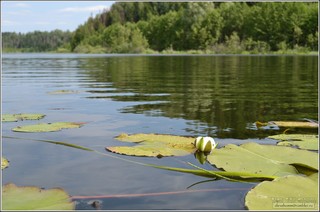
205, 144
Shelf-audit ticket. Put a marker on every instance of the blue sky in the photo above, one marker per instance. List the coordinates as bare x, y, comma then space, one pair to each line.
28, 16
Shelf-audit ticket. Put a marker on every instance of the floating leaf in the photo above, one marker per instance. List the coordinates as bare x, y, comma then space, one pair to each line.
261, 159
21, 116
33, 198
170, 139
63, 92
47, 127
314, 177
301, 140
296, 124
289, 124
285, 193
304, 169
301, 145
4, 163
154, 145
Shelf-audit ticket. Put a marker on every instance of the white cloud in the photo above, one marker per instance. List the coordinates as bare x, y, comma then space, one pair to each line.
21, 5
62, 23
8, 23
20, 12
42, 23
84, 9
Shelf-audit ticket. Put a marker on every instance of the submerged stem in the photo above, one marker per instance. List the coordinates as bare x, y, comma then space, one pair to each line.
51, 141
209, 173
155, 194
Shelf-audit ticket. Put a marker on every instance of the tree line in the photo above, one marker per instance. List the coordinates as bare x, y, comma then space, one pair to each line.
229, 27
36, 41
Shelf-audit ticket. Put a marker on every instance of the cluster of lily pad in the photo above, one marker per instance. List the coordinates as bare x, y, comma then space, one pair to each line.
283, 167
41, 127
29, 197
280, 170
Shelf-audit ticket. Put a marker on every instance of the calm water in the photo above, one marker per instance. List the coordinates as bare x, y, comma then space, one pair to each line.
220, 96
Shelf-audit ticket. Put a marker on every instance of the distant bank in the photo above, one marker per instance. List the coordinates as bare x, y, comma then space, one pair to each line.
184, 28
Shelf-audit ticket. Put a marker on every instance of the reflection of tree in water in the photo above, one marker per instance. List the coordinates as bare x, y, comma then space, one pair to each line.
221, 95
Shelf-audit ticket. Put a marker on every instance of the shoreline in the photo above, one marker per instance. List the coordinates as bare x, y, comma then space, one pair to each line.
173, 53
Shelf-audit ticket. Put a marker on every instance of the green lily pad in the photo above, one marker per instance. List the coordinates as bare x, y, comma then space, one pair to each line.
4, 163
154, 145
302, 141
34, 198
290, 124
262, 159
314, 177
296, 124
21, 116
63, 92
47, 127
285, 193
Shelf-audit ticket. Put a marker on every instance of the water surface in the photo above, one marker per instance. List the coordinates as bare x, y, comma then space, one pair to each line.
219, 96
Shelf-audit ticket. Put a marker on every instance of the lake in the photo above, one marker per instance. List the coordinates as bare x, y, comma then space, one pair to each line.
219, 96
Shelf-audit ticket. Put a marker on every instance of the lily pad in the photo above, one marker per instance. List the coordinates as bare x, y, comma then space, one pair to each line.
154, 145
34, 198
285, 193
47, 127
290, 124
302, 141
4, 163
63, 92
21, 116
296, 124
262, 159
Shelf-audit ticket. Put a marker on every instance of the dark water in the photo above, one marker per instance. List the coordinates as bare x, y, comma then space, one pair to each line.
220, 96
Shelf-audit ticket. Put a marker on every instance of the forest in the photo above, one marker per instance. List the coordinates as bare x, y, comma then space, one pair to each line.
36, 41
187, 27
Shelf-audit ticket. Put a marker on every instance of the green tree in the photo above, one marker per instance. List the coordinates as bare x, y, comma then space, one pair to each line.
124, 39
161, 31
233, 19
189, 25
210, 29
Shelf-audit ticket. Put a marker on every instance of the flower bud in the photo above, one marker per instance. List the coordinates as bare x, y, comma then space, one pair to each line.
205, 144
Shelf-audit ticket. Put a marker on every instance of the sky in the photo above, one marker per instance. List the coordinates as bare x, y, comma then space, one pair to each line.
28, 16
